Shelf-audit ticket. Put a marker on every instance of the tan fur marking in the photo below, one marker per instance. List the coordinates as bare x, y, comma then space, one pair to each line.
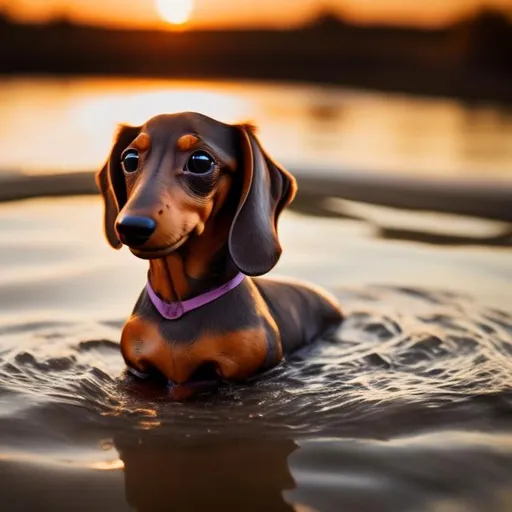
159, 279
187, 142
142, 346
238, 355
141, 142
177, 271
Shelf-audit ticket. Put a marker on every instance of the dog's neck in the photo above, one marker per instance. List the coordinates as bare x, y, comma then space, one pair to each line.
179, 277
201, 265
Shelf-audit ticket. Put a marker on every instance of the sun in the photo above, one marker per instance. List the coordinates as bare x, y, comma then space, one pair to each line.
176, 12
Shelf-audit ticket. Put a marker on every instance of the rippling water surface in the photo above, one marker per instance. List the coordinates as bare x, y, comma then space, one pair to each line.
408, 408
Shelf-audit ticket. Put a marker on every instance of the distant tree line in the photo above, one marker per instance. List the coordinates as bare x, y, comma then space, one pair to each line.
471, 59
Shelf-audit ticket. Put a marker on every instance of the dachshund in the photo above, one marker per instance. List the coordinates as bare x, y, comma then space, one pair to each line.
201, 199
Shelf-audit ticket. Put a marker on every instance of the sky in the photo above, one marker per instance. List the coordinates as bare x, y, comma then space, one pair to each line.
229, 13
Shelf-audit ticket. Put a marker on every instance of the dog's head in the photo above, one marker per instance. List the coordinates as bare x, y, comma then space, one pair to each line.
165, 181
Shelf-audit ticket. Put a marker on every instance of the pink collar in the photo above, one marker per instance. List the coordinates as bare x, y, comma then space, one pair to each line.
175, 310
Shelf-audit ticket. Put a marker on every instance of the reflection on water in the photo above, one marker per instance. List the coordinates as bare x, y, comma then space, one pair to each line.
63, 125
360, 423
231, 475
390, 224
454, 471
341, 426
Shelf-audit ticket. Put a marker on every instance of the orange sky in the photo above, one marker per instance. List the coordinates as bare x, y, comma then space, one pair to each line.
215, 13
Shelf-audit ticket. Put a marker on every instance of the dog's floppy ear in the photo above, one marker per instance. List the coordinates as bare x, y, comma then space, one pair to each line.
267, 188
110, 182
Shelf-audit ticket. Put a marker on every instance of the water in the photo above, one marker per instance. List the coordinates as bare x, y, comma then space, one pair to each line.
408, 409
68, 125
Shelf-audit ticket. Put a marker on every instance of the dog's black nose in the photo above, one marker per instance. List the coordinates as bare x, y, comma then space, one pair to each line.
134, 230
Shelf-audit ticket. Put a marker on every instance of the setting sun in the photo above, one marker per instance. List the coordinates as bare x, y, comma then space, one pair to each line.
176, 12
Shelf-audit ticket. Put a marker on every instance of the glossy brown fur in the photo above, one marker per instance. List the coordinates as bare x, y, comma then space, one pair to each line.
208, 229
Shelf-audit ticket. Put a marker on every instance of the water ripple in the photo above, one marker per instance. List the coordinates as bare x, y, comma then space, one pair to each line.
404, 358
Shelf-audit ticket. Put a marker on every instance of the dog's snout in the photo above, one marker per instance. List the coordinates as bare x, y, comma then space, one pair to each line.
135, 231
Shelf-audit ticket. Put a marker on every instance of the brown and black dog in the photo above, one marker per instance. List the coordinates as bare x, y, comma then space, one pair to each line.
200, 200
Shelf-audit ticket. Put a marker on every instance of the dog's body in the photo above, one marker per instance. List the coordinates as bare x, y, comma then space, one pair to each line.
242, 333
200, 200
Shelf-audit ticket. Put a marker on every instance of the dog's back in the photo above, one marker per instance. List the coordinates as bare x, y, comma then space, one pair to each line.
302, 312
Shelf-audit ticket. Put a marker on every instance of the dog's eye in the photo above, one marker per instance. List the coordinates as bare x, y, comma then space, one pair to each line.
200, 162
130, 160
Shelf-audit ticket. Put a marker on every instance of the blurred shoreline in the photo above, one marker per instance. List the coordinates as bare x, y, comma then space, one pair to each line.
469, 60
476, 198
